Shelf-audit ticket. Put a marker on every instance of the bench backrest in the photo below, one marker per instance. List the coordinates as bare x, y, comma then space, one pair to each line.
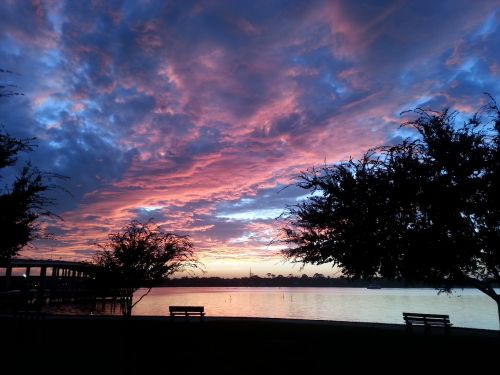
419, 315
423, 317
199, 309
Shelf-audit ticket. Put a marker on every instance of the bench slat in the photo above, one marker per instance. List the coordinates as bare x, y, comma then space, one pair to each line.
187, 311
425, 319
430, 322
426, 315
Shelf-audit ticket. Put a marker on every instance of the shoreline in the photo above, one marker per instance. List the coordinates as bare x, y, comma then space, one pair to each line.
165, 319
244, 319
142, 344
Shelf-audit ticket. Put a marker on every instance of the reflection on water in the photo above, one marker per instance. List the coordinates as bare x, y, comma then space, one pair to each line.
467, 307
85, 308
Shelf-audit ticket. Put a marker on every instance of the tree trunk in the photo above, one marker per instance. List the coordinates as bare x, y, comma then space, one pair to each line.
126, 303
128, 306
497, 300
487, 289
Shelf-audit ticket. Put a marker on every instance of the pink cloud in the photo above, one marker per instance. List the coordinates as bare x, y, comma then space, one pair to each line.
194, 108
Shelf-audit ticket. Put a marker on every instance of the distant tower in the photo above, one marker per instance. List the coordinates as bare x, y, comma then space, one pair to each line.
250, 273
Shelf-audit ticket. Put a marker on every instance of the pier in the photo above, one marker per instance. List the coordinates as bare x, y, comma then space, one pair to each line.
33, 282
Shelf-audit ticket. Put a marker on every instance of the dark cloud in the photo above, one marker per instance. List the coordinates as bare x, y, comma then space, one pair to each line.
197, 113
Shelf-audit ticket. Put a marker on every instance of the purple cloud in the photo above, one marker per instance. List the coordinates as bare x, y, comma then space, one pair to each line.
197, 113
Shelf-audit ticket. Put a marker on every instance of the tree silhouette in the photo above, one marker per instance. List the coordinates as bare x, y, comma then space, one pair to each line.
24, 201
142, 255
427, 209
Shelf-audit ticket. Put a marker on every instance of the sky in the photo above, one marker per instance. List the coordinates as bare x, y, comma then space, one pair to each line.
201, 114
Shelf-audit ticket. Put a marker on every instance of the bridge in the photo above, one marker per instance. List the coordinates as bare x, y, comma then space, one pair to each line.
40, 281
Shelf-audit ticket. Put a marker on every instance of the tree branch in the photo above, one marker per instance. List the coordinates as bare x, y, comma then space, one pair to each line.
486, 289
140, 299
495, 272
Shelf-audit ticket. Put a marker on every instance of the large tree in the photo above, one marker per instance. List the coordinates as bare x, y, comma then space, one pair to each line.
427, 209
141, 255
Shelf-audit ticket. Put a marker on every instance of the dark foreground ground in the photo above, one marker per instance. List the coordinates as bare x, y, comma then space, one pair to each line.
95, 345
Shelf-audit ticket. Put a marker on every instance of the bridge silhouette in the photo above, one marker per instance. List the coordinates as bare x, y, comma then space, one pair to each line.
32, 283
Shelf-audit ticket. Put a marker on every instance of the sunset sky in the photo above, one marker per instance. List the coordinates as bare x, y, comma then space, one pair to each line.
199, 113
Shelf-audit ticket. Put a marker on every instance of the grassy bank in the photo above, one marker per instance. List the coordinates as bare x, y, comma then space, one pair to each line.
73, 345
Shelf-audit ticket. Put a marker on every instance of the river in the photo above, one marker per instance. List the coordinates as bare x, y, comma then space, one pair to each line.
466, 307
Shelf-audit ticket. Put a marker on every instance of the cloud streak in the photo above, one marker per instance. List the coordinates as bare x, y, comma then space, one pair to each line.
198, 113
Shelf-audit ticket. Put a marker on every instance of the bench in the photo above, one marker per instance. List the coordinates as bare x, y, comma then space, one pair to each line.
187, 311
427, 321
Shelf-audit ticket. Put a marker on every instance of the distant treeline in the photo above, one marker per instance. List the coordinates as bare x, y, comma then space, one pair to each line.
290, 281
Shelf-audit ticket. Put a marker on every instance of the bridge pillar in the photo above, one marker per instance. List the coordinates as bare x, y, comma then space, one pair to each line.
8, 276
27, 273
53, 281
41, 286
72, 274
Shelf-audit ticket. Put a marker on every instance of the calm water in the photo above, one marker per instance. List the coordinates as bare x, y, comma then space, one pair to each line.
467, 308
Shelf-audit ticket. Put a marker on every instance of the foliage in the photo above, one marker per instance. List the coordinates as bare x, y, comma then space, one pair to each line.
427, 209
141, 255
24, 201
21, 207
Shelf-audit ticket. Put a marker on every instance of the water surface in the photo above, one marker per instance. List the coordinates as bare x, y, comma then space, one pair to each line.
467, 307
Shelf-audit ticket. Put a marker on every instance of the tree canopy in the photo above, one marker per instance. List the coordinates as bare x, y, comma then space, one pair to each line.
141, 255
426, 209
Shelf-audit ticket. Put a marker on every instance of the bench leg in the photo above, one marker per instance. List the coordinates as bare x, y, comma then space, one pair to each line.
427, 329
447, 330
